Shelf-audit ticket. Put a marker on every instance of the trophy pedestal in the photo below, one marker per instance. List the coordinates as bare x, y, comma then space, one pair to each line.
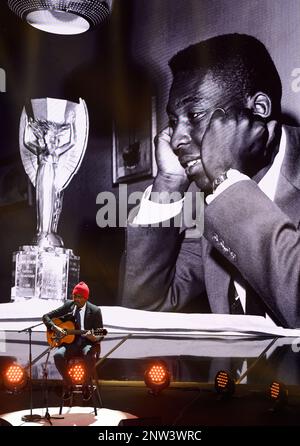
44, 273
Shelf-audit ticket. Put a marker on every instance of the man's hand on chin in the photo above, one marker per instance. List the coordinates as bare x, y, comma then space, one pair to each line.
171, 176
234, 139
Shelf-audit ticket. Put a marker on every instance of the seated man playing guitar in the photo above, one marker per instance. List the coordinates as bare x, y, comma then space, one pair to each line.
85, 320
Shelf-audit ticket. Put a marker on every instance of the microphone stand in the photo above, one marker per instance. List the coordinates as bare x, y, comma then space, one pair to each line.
31, 416
47, 415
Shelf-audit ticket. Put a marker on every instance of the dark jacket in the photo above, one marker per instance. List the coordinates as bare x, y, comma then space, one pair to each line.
92, 318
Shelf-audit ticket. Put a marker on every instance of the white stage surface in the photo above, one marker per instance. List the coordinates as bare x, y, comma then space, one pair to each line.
72, 416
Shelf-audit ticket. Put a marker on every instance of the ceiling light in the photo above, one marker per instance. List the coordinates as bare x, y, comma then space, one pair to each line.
62, 16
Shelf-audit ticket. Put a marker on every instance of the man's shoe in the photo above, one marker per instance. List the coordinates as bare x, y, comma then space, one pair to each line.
86, 392
67, 393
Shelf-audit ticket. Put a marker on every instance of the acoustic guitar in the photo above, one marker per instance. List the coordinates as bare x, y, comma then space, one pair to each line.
55, 340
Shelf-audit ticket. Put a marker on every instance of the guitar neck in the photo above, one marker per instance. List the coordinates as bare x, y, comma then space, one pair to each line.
96, 331
77, 332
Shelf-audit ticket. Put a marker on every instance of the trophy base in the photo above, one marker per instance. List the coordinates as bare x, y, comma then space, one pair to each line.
44, 273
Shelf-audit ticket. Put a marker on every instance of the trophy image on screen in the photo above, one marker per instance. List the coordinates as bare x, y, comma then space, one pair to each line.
53, 139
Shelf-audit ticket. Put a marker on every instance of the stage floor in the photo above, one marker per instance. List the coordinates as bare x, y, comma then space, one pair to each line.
71, 416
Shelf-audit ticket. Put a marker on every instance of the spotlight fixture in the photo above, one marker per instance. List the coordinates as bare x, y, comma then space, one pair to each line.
224, 383
14, 378
278, 393
77, 370
157, 377
62, 16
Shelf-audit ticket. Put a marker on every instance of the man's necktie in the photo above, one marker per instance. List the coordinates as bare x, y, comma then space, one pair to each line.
235, 306
77, 319
254, 305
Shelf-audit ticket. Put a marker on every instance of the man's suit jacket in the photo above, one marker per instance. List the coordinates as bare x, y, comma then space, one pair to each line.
244, 231
92, 317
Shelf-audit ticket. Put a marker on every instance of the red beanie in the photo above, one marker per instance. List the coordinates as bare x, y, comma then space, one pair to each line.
82, 289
